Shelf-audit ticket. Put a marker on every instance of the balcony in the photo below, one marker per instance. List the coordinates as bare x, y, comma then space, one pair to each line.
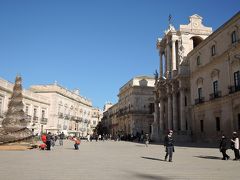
233, 89
35, 119
44, 121
199, 100
215, 95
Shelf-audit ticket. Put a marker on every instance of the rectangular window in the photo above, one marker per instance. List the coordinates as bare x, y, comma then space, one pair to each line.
151, 108
198, 61
201, 126
199, 93
218, 124
237, 79
35, 112
43, 113
27, 110
185, 100
215, 88
213, 49
234, 37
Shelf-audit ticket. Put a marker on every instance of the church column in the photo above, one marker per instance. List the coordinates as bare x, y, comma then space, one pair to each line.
161, 65
182, 109
169, 108
165, 60
155, 125
168, 60
161, 114
174, 63
175, 124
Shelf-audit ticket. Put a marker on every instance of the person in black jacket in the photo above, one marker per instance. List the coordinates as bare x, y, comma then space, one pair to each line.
168, 143
223, 148
48, 142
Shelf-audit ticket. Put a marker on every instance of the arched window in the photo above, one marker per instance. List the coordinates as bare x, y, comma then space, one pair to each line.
213, 50
234, 37
196, 40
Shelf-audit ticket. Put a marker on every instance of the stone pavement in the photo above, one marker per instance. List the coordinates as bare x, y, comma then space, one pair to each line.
116, 161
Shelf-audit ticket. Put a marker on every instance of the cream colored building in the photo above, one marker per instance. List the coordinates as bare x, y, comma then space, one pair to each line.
36, 107
134, 111
97, 115
172, 87
69, 112
215, 83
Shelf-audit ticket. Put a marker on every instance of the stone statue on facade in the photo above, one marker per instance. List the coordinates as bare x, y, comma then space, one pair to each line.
180, 51
14, 125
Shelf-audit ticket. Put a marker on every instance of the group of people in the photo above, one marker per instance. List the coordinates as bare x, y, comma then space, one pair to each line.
234, 146
50, 139
169, 145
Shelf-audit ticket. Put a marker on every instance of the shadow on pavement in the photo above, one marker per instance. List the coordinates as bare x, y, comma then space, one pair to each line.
209, 157
139, 175
150, 158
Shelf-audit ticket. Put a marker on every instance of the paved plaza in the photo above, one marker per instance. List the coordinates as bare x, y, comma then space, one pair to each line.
116, 161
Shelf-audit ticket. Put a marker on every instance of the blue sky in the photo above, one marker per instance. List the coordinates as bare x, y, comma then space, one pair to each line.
93, 45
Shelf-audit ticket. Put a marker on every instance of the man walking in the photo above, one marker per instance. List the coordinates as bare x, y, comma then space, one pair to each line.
168, 143
48, 141
61, 137
223, 148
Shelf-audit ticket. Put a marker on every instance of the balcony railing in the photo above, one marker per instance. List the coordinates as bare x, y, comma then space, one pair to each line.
199, 100
233, 89
44, 121
215, 95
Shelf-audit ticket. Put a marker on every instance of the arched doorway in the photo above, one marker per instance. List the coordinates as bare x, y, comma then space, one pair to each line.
196, 40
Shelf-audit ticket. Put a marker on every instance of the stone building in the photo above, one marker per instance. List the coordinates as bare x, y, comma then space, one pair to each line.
36, 107
97, 115
172, 87
134, 110
215, 82
69, 112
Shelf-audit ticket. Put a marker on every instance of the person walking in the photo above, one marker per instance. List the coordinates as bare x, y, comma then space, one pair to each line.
235, 145
48, 142
223, 148
168, 143
61, 137
146, 140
